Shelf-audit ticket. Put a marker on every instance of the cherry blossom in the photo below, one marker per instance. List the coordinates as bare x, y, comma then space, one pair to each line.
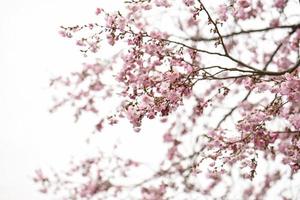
223, 78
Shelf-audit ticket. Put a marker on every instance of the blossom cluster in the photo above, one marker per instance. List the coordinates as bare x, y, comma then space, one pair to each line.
231, 88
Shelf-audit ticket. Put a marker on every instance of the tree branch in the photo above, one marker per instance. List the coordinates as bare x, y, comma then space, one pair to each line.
232, 110
243, 32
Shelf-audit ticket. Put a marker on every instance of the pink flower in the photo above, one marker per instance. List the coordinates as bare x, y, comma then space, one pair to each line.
99, 126
244, 3
80, 43
131, 163
151, 114
274, 23
280, 4
111, 40
241, 14
64, 33
172, 76
295, 120
168, 137
121, 23
248, 192
162, 3
134, 116
146, 102
39, 176
248, 82
189, 68
98, 11
222, 12
147, 7
284, 63
189, 2
97, 86
158, 35
89, 190
260, 143
171, 152
295, 41
192, 22
110, 20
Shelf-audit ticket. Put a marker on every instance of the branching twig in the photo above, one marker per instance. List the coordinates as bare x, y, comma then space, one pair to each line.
232, 110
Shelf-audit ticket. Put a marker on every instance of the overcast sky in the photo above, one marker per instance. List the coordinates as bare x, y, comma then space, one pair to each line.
31, 52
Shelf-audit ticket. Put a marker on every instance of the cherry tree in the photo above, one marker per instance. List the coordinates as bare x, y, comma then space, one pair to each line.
222, 74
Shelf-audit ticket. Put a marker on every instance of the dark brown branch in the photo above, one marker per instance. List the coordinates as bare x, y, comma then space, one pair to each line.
276, 50
216, 27
272, 56
232, 110
243, 32
227, 69
226, 54
261, 72
192, 48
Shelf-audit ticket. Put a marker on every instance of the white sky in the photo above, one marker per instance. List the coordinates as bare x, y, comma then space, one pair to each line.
31, 52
